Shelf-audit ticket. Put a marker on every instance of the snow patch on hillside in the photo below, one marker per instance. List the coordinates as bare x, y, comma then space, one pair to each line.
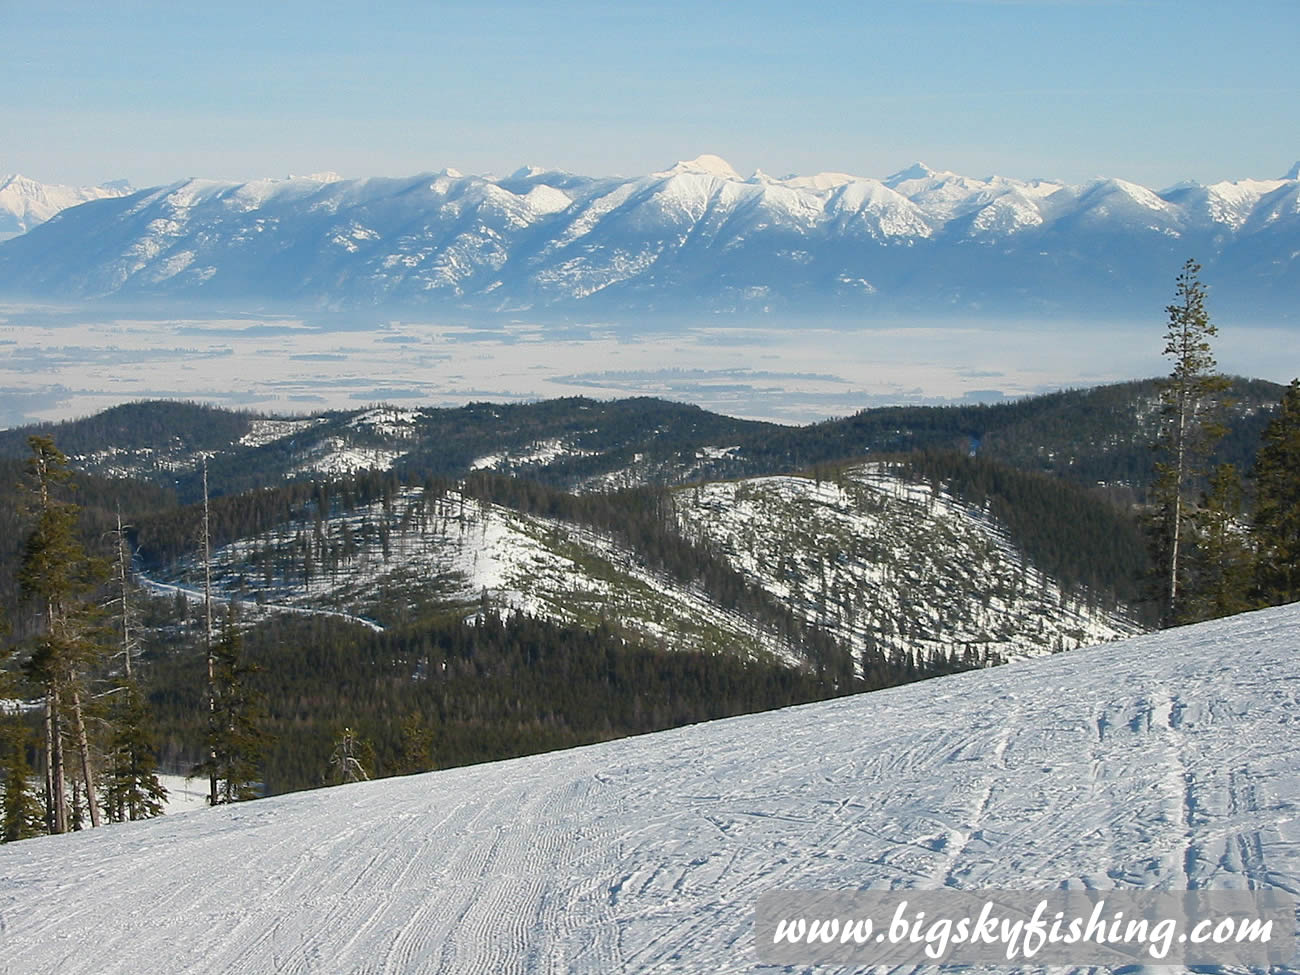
381, 559
541, 452
890, 564
388, 421
263, 431
338, 456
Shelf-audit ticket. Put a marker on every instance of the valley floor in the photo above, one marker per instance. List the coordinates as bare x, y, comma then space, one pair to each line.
75, 361
1168, 761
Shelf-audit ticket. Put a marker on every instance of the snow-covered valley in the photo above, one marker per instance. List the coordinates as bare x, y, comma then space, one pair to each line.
1166, 761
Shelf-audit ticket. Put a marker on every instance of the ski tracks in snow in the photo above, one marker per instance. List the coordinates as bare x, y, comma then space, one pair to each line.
1168, 761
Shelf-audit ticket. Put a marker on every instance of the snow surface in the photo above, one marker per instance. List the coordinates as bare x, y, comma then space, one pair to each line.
1167, 761
184, 794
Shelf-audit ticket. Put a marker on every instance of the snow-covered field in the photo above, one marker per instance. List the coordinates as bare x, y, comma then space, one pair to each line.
1167, 761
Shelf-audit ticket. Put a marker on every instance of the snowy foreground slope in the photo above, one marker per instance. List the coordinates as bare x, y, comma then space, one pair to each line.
1168, 761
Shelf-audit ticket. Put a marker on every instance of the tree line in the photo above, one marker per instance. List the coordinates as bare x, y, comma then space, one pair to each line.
91, 757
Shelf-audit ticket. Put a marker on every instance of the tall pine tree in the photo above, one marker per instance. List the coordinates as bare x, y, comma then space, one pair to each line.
1189, 400
57, 574
237, 742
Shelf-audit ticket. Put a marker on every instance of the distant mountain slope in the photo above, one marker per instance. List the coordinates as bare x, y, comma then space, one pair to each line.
1164, 762
26, 203
696, 236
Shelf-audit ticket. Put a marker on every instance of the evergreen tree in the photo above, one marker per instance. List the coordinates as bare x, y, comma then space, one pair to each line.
1189, 399
1277, 504
236, 741
417, 746
22, 815
131, 788
1221, 562
57, 573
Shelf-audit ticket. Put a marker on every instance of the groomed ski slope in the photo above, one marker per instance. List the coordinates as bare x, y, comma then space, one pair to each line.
1171, 760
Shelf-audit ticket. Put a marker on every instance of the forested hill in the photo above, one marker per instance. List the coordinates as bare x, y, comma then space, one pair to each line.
1092, 436
632, 564
1101, 435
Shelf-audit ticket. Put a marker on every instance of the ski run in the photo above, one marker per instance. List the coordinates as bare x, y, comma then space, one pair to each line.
1163, 761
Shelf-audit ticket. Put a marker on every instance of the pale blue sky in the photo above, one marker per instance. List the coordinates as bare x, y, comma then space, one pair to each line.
1150, 91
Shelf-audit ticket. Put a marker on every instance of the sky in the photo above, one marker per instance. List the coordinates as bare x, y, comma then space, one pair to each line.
1155, 92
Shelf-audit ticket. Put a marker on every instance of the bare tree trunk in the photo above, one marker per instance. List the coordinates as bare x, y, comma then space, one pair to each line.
212, 676
122, 581
58, 795
49, 763
84, 746
1176, 541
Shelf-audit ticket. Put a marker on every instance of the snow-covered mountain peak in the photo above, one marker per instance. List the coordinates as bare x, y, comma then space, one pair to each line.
707, 164
1107, 189
822, 181
547, 199
25, 202
918, 170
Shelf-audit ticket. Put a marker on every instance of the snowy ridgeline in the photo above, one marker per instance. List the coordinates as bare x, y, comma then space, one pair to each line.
875, 560
1168, 761
697, 232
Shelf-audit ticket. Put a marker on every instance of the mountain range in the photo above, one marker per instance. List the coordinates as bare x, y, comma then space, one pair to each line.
695, 238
